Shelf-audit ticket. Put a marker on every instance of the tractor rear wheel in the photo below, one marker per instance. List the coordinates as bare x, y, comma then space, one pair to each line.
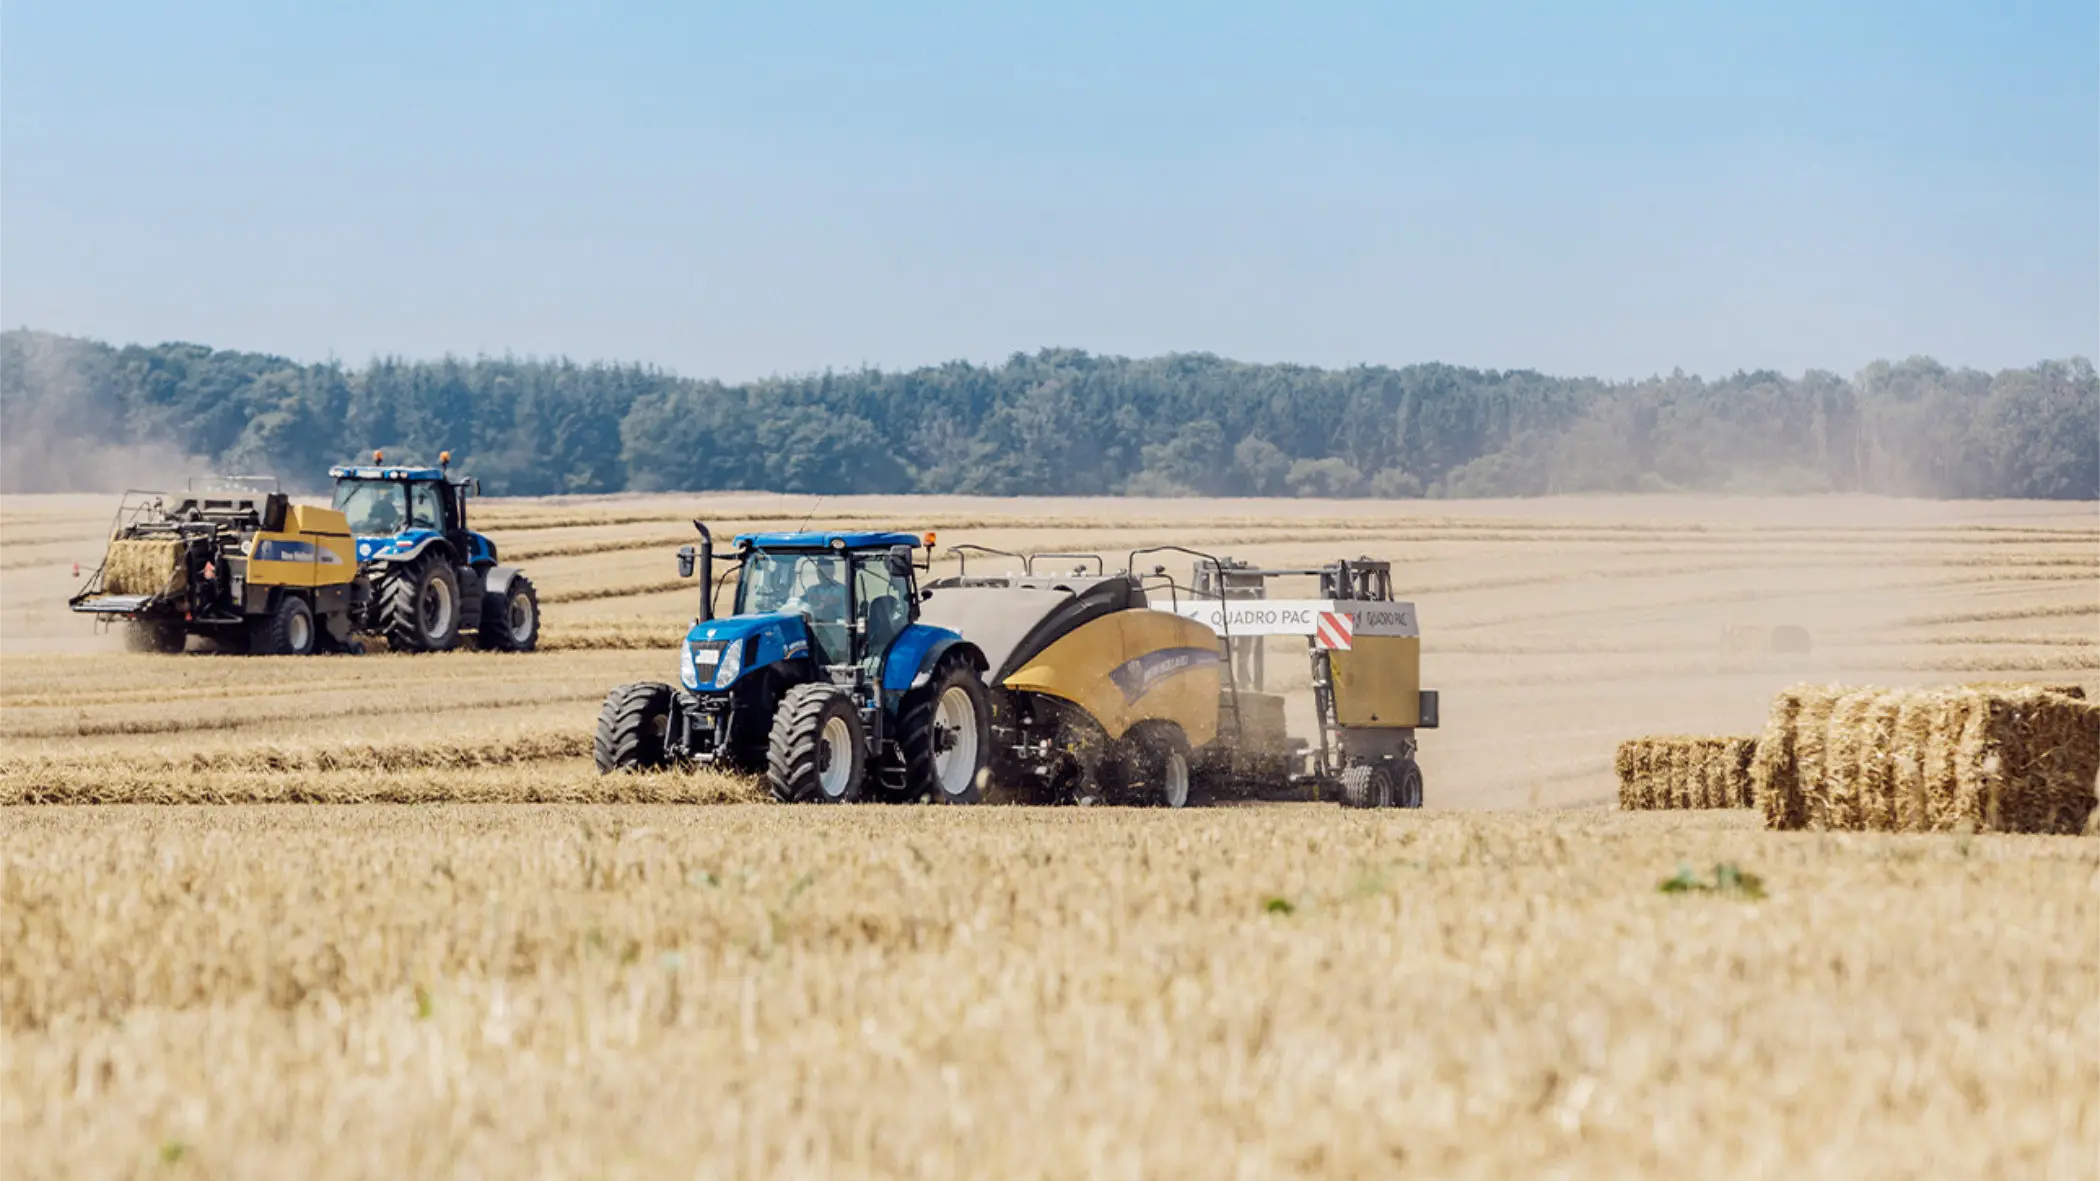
165, 636
417, 605
1158, 763
944, 735
632, 726
288, 630
818, 750
510, 620
1367, 785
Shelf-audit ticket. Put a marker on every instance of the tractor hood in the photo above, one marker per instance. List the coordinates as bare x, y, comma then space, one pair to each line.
718, 651
381, 547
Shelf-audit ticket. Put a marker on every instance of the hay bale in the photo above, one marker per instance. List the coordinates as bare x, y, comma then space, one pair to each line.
1775, 774
2020, 758
1812, 750
136, 566
1740, 755
1683, 772
1877, 763
1844, 753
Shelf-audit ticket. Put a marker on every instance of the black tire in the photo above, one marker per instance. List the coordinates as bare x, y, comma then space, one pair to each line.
165, 636
288, 630
962, 732
815, 726
510, 621
1407, 786
416, 605
631, 728
1367, 785
1161, 773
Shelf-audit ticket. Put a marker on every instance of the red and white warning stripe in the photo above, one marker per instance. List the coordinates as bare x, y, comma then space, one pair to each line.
1336, 631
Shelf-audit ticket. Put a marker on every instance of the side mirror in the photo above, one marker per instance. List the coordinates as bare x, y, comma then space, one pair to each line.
685, 561
900, 561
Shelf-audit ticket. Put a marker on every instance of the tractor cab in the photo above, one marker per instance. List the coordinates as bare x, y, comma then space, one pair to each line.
854, 592
394, 509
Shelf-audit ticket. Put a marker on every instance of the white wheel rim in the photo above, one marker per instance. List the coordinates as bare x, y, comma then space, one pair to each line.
955, 716
299, 632
437, 608
1177, 780
835, 752
520, 618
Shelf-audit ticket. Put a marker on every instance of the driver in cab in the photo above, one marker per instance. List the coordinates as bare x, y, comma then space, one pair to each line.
826, 597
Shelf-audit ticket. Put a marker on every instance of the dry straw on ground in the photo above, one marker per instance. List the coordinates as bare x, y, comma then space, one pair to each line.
633, 992
2004, 758
1684, 772
141, 567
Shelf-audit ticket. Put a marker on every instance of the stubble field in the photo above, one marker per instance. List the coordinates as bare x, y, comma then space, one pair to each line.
246, 958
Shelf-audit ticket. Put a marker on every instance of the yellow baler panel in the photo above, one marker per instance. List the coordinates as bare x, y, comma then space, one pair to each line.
313, 518
302, 559
1130, 667
1378, 681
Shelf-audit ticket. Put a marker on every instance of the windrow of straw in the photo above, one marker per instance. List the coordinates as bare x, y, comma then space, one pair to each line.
137, 566
1685, 772
1993, 757
105, 778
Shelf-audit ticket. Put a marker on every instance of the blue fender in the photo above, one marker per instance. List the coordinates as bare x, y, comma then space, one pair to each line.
481, 551
405, 546
915, 653
497, 581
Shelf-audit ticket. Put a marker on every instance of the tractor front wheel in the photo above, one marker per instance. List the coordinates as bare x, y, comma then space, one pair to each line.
510, 619
417, 605
818, 750
632, 726
944, 734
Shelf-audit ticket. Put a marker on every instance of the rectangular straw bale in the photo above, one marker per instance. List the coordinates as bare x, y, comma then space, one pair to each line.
1774, 773
2008, 758
1916, 715
1877, 763
1844, 752
1627, 761
1671, 772
1812, 750
140, 566
1740, 756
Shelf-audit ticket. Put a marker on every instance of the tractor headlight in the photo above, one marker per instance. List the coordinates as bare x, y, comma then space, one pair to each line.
732, 664
688, 669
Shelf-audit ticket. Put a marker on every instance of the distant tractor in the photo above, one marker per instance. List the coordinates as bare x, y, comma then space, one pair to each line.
231, 560
433, 581
822, 677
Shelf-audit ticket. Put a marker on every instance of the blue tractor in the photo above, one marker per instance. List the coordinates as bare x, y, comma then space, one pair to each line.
430, 581
822, 677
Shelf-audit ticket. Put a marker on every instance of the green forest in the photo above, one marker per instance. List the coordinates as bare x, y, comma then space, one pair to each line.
82, 415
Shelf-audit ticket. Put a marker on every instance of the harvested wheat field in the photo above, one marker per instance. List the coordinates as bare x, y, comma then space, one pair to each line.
377, 916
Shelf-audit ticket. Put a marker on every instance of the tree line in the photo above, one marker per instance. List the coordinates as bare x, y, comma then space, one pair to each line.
76, 413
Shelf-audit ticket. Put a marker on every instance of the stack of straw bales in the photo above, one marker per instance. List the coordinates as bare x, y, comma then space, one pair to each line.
137, 566
1992, 757
1682, 772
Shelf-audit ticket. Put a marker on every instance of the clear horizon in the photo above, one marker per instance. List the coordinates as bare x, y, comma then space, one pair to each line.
741, 192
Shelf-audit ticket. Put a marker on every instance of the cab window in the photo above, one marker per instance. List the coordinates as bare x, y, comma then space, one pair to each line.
879, 598
426, 509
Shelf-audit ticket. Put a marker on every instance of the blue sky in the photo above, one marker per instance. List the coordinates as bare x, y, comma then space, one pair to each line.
739, 190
